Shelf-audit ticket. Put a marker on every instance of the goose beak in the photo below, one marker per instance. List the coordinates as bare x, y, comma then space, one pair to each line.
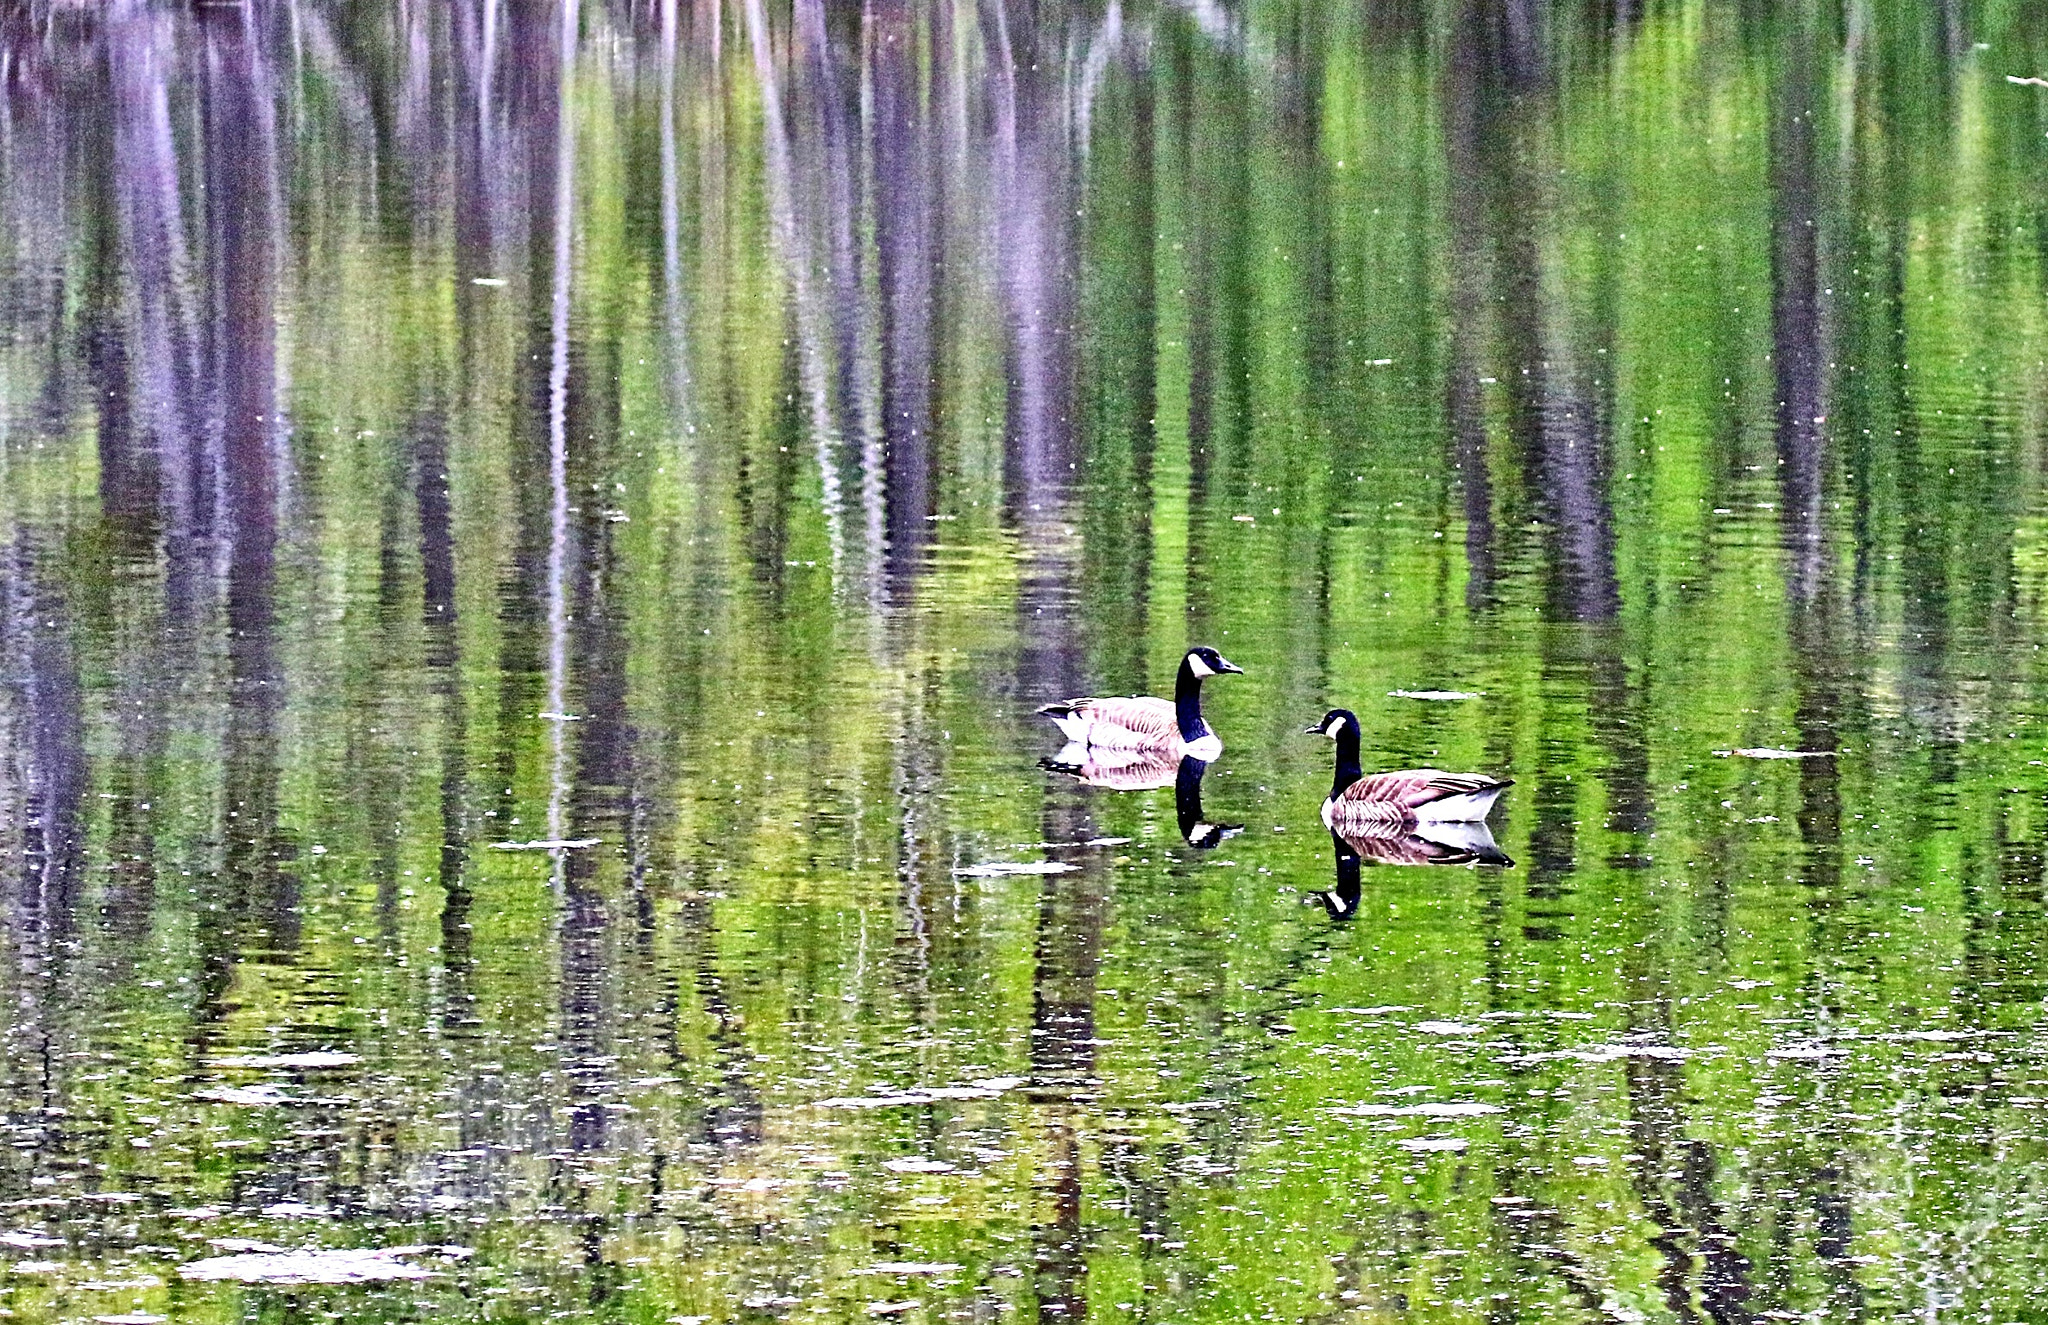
1225, 665
1315, 729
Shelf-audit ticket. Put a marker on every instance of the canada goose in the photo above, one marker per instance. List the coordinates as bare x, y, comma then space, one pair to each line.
1140, 722
1147, 770
1404, 799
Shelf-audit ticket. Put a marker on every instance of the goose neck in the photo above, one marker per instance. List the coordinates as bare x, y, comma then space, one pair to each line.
1348, 770
1187, 703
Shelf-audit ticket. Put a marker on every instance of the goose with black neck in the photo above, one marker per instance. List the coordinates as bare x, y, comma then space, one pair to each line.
1402, 799
1143, 722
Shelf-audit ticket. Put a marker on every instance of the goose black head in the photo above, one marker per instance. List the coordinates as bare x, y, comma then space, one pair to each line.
1333, 724
1205, 661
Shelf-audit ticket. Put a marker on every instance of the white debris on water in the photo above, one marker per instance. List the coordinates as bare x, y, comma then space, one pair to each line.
919, 1166
259, 1095
981, 1090
1773, 752
997, 869
910, 1267
1448, 1028
317, 1058
1603, 1053
329, 1265
140, 1281
1433, 1109
548, 844
1608, 1053
29, 1240
752, 1185
1437, 696
1429, 1143
1077, 842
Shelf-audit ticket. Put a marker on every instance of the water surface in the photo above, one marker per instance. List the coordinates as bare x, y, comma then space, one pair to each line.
703, 434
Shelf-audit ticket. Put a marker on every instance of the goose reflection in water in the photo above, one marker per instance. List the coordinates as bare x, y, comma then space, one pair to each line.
1391, 844
1147, 770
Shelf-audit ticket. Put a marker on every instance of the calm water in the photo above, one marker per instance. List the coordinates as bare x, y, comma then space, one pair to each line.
704, 434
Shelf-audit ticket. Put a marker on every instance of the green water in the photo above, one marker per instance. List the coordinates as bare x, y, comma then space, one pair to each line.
707, 434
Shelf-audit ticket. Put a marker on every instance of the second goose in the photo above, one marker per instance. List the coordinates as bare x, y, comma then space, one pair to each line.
1401, 799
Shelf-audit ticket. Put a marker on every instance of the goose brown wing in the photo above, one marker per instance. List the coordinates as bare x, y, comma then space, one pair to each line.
1136, 719
1411, 788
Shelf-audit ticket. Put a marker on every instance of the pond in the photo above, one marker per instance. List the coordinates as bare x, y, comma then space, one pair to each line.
533, 534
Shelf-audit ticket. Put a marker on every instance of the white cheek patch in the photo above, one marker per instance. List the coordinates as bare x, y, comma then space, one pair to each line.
1336, 725
1198, 667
